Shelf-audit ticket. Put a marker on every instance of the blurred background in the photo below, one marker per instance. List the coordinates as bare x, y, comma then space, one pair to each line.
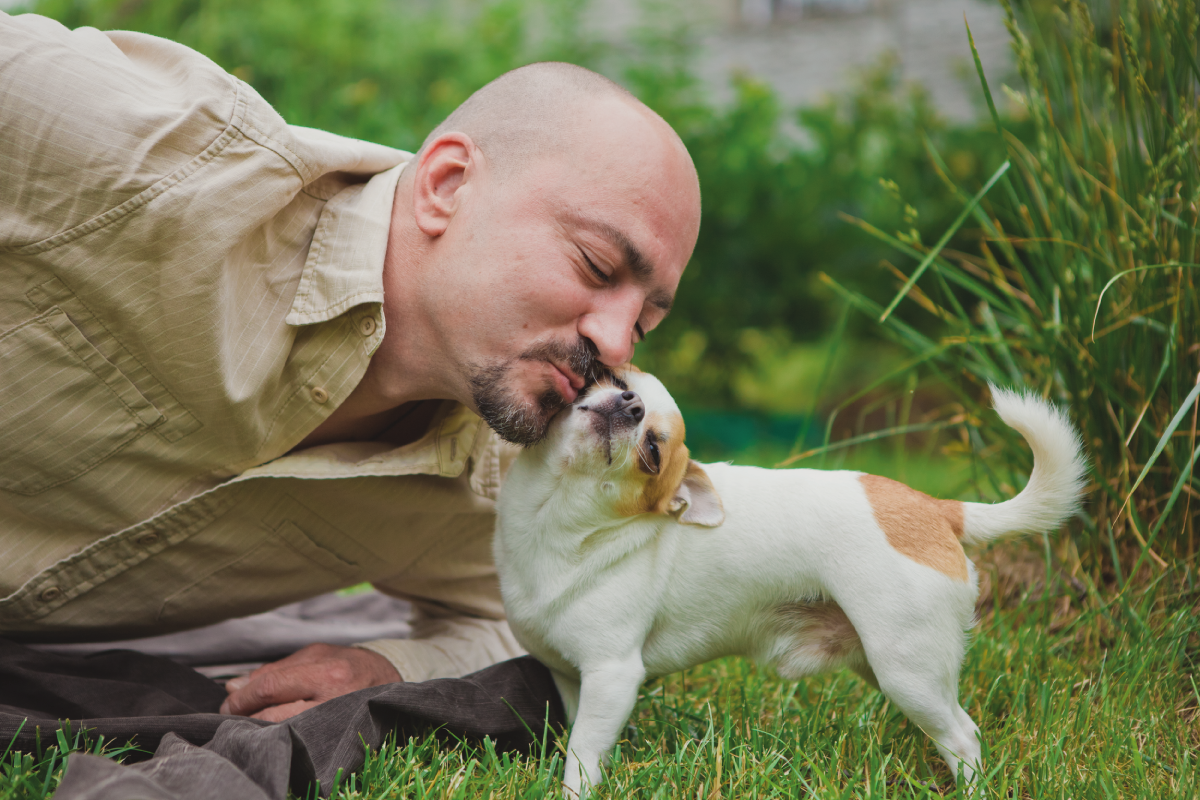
892, 219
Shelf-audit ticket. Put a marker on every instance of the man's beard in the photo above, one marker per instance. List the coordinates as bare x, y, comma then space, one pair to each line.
515, 418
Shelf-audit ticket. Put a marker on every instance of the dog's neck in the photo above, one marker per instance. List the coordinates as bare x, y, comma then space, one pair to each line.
568, 512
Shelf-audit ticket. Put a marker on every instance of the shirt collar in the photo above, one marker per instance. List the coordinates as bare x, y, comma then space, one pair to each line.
344, 267
456, 441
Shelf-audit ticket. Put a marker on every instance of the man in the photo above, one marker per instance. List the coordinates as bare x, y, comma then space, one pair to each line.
241, 361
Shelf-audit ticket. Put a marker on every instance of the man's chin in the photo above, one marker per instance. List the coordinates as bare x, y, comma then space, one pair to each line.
523, 423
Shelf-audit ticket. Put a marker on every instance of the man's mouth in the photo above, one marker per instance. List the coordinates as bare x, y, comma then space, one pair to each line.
567, 382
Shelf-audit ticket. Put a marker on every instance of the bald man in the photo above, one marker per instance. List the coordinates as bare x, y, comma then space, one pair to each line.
246, 363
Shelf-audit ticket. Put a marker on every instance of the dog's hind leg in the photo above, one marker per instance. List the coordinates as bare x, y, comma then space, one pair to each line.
607, 694
929, 697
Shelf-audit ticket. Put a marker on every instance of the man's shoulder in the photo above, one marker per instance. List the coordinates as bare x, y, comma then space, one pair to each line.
94, 119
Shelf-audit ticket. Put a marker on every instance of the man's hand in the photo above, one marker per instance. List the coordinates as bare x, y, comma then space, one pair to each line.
305, 679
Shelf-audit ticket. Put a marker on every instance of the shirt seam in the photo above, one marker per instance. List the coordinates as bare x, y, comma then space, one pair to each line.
148, 194
99, 321
264, 140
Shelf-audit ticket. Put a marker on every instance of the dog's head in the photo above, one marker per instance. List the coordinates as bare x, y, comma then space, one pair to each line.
626, 434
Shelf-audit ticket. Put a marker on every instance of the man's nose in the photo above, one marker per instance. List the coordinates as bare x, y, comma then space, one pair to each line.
611, 331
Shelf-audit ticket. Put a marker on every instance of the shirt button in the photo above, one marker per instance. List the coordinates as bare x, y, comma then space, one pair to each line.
50, 594
366, 326
320, 395
147, 539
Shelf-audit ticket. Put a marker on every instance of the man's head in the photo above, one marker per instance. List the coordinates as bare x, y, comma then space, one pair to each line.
551, 217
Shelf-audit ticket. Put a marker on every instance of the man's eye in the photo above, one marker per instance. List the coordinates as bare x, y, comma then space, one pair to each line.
599, 273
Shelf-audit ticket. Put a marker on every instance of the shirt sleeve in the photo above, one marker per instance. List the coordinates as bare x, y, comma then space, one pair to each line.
447, 646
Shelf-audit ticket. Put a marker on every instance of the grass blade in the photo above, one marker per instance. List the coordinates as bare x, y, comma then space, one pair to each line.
987, 92
937, 248
1162, 441
1122, 274
867, 437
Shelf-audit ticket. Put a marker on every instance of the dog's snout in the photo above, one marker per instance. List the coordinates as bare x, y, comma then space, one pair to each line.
632, 405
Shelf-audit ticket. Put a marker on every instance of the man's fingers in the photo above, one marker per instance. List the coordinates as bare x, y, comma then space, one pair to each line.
280, 686
285, 711
317, 673
234, 684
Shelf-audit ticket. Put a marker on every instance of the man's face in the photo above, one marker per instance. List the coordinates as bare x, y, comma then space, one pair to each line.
558, 269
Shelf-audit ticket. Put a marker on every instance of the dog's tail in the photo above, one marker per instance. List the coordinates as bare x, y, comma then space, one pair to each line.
1055, 486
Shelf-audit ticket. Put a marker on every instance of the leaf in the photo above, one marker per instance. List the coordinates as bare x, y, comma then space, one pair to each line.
1122, 274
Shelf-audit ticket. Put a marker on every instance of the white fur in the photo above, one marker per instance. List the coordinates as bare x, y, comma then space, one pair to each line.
1055, 484
606, 601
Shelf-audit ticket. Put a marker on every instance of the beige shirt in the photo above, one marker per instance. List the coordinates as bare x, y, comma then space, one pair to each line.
188, 287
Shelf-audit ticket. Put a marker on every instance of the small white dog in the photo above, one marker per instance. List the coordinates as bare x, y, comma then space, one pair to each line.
620, 558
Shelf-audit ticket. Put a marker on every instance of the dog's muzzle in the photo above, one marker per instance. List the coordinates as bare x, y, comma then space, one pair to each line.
614, 413
616, 406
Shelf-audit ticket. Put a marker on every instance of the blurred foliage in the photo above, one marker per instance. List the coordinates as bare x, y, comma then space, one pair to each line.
380, 70
776, 187
775, 181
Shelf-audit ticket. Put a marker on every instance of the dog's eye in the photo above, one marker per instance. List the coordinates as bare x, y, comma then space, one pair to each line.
649, 458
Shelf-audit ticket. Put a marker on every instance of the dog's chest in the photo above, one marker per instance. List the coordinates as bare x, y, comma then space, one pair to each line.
575, 609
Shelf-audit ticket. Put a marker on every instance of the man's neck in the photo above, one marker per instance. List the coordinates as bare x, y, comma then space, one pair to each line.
398, 426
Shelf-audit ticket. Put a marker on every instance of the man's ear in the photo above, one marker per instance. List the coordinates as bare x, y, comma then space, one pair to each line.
440, 175
696, 502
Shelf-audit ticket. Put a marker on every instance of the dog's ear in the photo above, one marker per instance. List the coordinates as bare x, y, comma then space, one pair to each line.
696, 502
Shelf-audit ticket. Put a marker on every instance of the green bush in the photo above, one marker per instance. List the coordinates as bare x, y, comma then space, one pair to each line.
373, 69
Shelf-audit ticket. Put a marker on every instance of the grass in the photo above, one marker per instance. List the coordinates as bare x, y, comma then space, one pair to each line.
1077, 699
1079, 695
26, 776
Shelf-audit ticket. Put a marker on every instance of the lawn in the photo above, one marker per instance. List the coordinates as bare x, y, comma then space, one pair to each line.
1078, 694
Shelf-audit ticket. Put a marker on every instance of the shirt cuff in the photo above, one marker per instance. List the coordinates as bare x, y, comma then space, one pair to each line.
448, 648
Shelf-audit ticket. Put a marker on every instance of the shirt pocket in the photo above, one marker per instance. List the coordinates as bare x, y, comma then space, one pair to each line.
246, 568
64, 408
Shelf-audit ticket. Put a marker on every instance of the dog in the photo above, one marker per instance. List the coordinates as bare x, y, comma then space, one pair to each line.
620, 558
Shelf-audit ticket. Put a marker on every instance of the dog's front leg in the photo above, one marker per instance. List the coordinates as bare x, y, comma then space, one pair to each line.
607, 695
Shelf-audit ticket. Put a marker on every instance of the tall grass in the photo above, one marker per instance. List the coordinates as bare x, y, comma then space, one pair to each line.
1083, 286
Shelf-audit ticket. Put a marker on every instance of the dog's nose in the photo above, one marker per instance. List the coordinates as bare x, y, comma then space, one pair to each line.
632, 405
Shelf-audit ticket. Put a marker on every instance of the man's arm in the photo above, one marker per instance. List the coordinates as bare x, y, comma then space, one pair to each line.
442, 647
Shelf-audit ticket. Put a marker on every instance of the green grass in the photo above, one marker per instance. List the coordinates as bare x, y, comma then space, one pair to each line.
1076, 699
1078, 696
25, 776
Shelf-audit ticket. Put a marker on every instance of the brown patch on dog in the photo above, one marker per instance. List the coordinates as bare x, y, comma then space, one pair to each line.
925, 529
651, 493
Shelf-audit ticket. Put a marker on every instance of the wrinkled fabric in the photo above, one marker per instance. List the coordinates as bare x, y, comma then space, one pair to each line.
189, 286
169, 709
